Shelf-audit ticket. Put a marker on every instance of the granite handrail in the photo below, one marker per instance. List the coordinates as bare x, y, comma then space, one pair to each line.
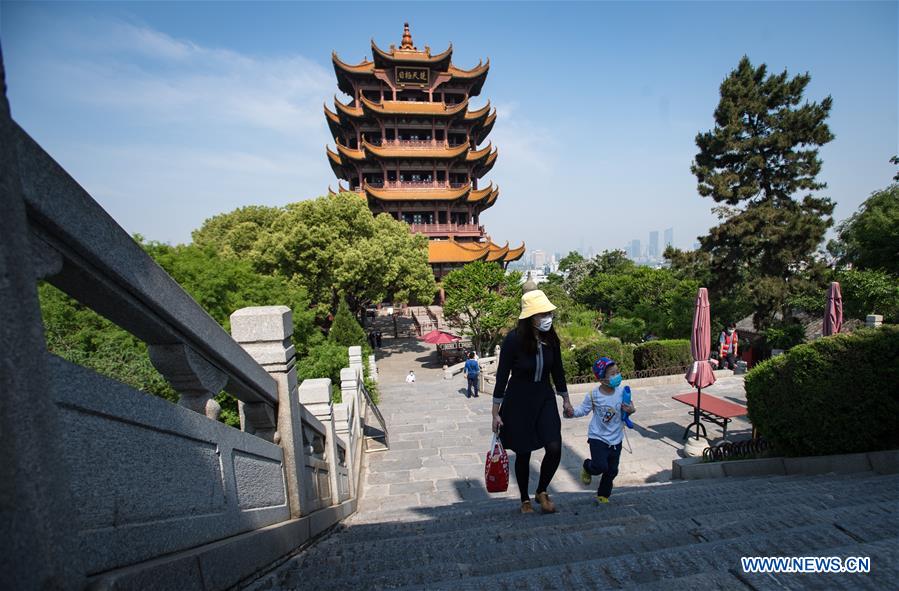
81, 249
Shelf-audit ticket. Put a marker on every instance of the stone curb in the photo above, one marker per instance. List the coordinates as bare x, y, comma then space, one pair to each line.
881, 462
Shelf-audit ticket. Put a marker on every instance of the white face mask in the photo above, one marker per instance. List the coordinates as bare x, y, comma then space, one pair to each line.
544, 324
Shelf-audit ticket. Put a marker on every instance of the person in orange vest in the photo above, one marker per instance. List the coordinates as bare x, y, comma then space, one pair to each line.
727, 347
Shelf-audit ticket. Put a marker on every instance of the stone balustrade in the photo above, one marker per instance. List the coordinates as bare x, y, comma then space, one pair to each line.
114, 487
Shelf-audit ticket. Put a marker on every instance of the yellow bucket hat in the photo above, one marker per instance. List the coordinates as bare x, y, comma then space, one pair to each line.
535, 302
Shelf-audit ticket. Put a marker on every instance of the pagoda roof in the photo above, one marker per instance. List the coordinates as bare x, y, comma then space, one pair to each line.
487, 196
441, 152
348, 110
452, 251
478, 70
407, 53
478, 156
481, 131
484, 166
363, 67
336, 163
481, 113
333, 121
414, 108
351, 153
497, 253
422, 195
514, 253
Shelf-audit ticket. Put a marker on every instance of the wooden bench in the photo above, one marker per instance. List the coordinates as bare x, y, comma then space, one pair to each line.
711, 409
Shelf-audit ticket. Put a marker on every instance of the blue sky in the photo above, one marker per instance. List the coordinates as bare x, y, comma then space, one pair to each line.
169, 113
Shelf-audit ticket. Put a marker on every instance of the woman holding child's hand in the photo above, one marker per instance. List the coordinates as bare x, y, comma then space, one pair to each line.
525, 413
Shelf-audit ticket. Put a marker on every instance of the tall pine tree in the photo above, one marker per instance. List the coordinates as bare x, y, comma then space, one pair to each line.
757, 161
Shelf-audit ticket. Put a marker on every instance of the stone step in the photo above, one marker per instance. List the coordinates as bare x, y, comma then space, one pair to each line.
653, 570
364, 539
670, 497
546, 567
603, 538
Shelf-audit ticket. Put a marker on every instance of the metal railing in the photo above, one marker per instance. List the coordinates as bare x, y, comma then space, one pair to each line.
377, 412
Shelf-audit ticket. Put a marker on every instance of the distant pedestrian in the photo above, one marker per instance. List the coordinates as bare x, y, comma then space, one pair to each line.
472, 371
371, 338
727, 347
410, 379
378, 339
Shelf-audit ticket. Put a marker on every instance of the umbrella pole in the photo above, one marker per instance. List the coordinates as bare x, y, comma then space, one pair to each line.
696, 411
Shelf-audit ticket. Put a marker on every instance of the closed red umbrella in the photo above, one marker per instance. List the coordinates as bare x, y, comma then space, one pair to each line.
833, 311
700, 373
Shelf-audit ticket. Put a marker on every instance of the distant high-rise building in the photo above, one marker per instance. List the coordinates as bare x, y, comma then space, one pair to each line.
591, 253
653, 244
539, 259
669, 237
636, 253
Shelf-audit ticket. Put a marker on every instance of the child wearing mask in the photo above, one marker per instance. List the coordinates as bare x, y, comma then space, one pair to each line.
605, 432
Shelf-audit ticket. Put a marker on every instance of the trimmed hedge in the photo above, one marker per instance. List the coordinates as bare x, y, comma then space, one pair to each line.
835, 395
665, 353
579, 361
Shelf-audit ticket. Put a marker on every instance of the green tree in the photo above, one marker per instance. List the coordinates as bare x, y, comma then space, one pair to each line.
345, 330
569, 260
222, 285
331, 245
235, 233
482, 300
762, 151
870, 238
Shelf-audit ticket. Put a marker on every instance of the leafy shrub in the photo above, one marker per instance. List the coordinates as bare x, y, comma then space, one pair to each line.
324, 361
835, 395
659, 354
629, 330
345, 330
784, 336
582, 357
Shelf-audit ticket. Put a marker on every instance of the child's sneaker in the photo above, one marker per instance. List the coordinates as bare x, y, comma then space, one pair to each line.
602, 500
586, 478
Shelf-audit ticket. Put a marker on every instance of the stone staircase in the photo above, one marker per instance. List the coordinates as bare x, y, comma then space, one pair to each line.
661, 536
426, 522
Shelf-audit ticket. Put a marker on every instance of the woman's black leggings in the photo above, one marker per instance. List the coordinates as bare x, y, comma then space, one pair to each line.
548, 468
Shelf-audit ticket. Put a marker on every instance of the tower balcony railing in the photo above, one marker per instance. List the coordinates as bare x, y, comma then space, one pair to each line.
416, 144
466, 230
412, 185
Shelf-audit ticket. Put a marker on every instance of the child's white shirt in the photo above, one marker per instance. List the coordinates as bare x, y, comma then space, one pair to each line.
606, 423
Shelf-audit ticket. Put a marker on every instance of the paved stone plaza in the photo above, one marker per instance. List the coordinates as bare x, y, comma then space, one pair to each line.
425, 520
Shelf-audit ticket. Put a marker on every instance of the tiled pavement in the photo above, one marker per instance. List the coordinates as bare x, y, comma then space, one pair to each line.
425, 520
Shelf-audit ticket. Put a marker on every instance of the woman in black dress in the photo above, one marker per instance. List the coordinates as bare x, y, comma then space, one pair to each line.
525, 413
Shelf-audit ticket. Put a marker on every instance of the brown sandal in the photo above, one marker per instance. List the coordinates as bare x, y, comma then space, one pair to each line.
546, 505
526, 507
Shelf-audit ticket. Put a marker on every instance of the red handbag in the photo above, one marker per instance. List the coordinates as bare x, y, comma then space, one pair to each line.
496, 471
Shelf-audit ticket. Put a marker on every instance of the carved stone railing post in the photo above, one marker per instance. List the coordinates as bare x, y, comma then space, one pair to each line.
316, 397
196, 380
372, 368
355, 354
264, 332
